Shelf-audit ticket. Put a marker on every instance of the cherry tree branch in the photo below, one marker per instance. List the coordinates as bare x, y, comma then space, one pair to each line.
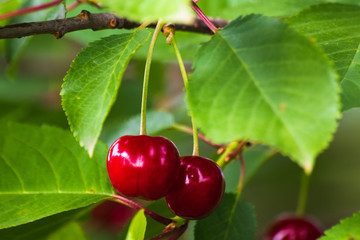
94, 21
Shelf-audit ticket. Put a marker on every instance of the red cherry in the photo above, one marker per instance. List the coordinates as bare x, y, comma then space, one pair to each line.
198, 189
293, 228
143, 166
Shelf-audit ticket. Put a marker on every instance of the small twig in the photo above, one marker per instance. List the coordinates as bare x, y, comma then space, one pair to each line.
134, 205
94, 21
189, 130
29, 10
203, 17
236, 152
173, 233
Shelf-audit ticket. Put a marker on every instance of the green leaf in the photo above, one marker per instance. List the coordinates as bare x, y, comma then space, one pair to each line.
336, 27
233, 219
188, 43
254, 158
72, 231
91, 84
151, 10
44, 171
156, 122
260, 80
42, 228
230, 9
348, 229
137, 227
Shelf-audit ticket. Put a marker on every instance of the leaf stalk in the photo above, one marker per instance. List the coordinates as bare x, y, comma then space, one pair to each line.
303, 194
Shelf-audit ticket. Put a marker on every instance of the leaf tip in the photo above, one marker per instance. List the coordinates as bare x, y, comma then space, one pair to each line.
89, 145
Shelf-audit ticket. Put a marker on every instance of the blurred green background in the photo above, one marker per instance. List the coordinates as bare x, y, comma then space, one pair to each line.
31, 95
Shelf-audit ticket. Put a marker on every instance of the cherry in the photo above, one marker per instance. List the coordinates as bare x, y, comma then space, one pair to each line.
143, 166
198, 189
293, 228
110, 216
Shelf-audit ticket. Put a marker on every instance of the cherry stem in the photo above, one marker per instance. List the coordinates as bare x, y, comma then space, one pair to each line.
29, 9
146, 77
134, 205
186, 81
203, 17
189, 130
303, 194
242, 175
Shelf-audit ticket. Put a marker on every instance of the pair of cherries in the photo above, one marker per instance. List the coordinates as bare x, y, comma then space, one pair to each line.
150, 168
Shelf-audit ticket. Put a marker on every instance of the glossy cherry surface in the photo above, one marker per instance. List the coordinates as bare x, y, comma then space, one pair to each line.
143, 166
293, 228
198, 189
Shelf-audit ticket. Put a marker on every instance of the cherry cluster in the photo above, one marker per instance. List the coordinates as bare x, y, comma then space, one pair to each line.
150, 168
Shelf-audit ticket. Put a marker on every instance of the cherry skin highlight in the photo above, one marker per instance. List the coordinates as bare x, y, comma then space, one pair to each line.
143, 166
198, 189
293, 228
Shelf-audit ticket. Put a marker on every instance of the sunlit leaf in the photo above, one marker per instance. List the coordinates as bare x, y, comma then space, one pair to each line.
91, 85
137, 227
258, 79
347, 229
230, 9
336, 27
44, 171
43, 228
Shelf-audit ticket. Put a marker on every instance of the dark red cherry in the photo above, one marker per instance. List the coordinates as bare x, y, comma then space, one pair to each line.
198, 189
293, 228
143, 166
110, 216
